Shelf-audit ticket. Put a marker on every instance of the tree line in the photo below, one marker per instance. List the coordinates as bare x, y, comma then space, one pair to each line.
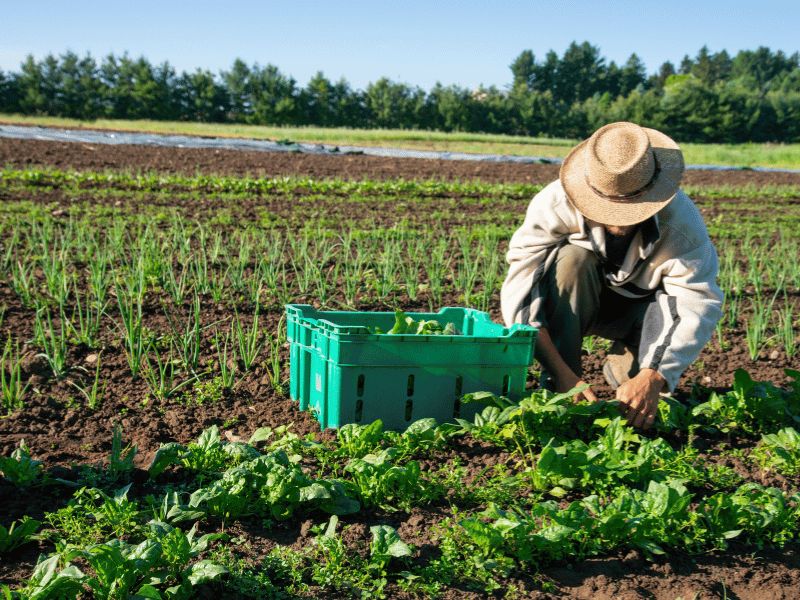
712, 97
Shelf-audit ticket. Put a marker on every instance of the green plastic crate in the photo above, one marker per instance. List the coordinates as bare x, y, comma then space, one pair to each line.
348, 374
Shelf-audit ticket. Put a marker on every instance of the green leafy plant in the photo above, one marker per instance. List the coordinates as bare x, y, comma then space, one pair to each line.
115, 513
780, 451
18, 533
378, 481
47, 581
754, 407
20, 467
356, 441
271, 485
177, 550
405, 325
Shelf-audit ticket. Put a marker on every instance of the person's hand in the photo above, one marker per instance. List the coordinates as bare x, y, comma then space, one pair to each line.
571, 381
639, 396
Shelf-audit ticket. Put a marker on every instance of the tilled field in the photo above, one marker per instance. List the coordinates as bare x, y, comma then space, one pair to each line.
73, 441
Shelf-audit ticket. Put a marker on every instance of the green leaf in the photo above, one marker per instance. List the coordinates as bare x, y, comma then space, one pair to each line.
315, 491
568, 395
200, 544
742, 382
487, 398
386, 542
259, 435
330, 532
732, 533
405, 325
651, 547
158, 529
424, 429
547, 458
205, 570
145, 555
148, 591
209, 439
166, 455
466, 425
485, 536
241, 451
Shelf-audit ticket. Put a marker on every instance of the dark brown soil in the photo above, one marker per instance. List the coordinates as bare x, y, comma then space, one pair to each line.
65, 434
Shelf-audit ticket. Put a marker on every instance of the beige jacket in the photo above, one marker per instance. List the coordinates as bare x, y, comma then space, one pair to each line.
672, 254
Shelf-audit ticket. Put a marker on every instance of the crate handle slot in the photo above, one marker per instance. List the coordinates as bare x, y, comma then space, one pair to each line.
360, 386
359, 409
506, 384
457, 401
410, 385
409, 408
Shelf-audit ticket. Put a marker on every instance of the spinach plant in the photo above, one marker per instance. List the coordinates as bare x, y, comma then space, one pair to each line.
18, 533
20, 467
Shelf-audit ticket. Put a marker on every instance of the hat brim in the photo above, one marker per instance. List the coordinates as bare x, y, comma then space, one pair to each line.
602, 210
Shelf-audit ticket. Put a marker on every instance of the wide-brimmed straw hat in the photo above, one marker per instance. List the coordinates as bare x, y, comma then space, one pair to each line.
623, 174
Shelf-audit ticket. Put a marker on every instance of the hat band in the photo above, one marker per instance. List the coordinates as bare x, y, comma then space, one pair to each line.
634, 194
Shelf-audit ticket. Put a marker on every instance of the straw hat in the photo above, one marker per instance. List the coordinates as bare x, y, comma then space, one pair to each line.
623, 174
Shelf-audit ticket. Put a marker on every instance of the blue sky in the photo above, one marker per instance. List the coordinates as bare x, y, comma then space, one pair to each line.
465, 42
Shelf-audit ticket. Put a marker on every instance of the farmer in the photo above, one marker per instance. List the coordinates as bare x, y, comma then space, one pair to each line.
614, 248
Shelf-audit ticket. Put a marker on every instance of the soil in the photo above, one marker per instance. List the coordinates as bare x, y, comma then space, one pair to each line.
65, 434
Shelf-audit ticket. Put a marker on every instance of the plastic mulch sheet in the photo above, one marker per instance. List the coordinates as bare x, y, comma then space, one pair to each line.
182, 141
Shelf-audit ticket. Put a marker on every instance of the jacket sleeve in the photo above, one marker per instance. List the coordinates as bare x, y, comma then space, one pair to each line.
548, 222
686, 311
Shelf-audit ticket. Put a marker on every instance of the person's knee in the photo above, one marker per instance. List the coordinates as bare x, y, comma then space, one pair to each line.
575, 266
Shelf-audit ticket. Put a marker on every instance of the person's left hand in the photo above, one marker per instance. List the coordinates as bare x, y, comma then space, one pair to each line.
639, 396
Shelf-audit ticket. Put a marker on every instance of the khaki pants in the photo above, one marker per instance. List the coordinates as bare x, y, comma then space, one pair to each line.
578, 302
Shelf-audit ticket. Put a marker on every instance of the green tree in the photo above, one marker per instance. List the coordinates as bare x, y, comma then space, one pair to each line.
790, 83
493, 111
658, 80
204, 100
38, 86
611, 82
80, 91
690, 110
523, 69
238, 88
642, 108
721, 65
632, 75
274, 97
319, 101
135, 90
702, 66
393, 105
786, 107
9, 93
348, 104
686, 65
578, 74
455, 107
545, 75
756, 69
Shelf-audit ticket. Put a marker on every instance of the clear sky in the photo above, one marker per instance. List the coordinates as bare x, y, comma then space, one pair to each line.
464, 42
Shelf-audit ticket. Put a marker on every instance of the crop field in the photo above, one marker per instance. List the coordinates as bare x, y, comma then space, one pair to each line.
149, 445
